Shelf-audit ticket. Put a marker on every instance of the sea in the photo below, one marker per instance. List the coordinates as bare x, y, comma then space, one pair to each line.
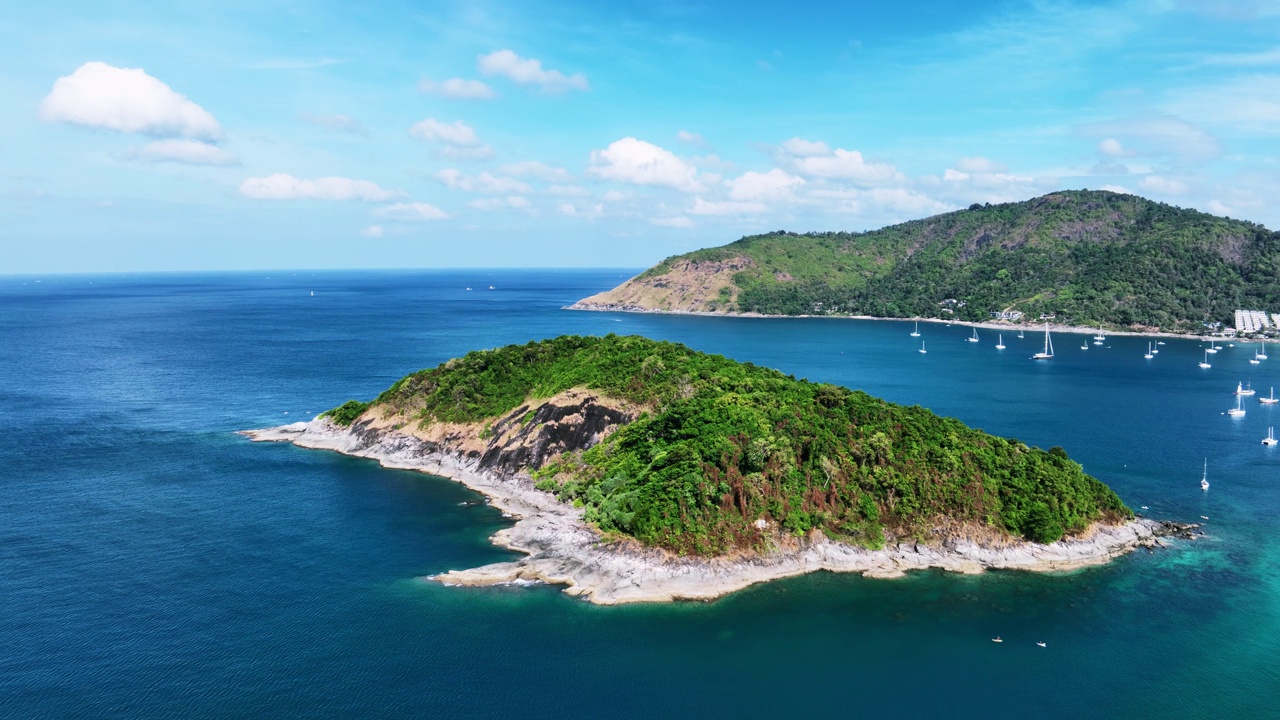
154, 564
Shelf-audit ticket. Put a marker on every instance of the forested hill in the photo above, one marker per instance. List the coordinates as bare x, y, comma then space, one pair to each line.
718, 456
1088, 257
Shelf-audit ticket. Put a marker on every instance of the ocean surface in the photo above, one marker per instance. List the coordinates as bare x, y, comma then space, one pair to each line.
153, 564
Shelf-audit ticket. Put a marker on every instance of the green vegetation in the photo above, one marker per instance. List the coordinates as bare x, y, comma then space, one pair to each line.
720, 444
347, 412
1090, 257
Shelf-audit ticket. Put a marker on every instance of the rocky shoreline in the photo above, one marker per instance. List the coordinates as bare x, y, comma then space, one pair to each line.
998, 325
562, 549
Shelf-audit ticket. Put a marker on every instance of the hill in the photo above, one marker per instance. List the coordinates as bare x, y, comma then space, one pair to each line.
1088, 257
701, 455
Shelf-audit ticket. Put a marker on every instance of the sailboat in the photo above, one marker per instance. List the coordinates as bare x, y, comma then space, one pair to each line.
916, 332
1271, 399
1148, 355
1255, 359
1238, 410
1047, 353
1020, 333
1000, 342
1211, 349
922, 350
974, 337
1246, 391
1271, 437
1204, 479
1099, 337
1261, 355
1205, 363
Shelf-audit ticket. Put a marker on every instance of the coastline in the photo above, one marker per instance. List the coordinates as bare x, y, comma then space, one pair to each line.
997, 325
562, 549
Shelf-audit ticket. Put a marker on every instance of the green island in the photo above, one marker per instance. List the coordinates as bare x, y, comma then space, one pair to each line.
713, 456
1082, 257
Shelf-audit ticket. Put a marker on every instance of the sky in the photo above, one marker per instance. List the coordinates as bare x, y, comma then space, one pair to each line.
238, 135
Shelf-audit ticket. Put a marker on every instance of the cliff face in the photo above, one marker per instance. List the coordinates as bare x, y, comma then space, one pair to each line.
524, 439
686, 286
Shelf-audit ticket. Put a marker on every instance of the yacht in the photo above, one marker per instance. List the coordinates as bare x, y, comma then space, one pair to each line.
1205, 363
1148, 355
1020, 333
1261, 355
1270, 439
1238, 410
916, 332
922, 350
1211, 349
1000, 342
1204, 479
1270, 399
1246, 391
1047, 353
1255, 359
974, 337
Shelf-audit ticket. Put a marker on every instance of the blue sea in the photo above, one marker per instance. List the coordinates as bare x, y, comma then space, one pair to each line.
153, 564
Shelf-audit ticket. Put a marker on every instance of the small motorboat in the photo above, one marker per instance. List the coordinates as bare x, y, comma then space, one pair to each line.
1040, 644
996, 639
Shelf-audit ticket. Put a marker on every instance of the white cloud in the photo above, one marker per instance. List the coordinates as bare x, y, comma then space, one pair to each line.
1161, 136
675, 222
126, 100
483, 183
458, 89
1166, 186
816, 159
411, 212
432, 130
282, 186
799, 147
771, 186
728, 207
616, 196
567, 191
188, 152
373, 231
1246, 104
533, 168
635, 161
1117, 189
951, 175
979, 165
335, 123
711, 162
513, 202
1217, 208
692, 138
589, 211
527, 71
1113, 148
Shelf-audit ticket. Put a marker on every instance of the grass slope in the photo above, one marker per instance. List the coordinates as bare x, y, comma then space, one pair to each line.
724, 444
1090, 257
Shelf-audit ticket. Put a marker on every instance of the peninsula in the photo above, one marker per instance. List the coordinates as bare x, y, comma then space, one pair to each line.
643, 470
1082, 258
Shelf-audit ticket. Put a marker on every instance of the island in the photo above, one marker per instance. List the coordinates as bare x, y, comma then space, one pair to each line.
641, 470
1077, 258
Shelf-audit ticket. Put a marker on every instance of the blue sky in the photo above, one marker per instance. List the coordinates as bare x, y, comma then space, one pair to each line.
236, 135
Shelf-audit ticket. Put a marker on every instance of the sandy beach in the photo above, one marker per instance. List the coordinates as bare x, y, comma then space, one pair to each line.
562, 549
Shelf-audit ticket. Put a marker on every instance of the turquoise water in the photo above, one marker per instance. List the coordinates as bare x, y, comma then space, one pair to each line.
153, 564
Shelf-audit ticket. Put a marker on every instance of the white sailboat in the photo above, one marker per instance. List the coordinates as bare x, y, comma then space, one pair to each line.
974, 337
922, 350
1000, 342
1211, 349
1020, 333
1270, 399
1099, 336
1270, 439
1246, 391
1205, 363
1148, 355
1204, 478
1047, 353
1238, 410
1261, 355
1255, 359
916, 332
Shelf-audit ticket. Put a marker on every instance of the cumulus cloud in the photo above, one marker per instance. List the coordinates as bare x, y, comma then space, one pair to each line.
979, 165
527, 71
458, 89
411, 212
640, 163
817, 160
456, 140
187, 152
455, 179
1112, 147
282, 186
373, 231
129, 100
727, 207
1163, 185
513, 202
771, 186
335, 123
674, 222
533, 168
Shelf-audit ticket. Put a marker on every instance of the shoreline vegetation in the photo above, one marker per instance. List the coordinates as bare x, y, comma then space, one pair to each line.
643, 470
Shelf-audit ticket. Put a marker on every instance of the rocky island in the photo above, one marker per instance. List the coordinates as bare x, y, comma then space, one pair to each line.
1083, 258
642, 470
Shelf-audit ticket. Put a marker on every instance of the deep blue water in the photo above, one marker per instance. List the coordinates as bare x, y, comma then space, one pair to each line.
153, 564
